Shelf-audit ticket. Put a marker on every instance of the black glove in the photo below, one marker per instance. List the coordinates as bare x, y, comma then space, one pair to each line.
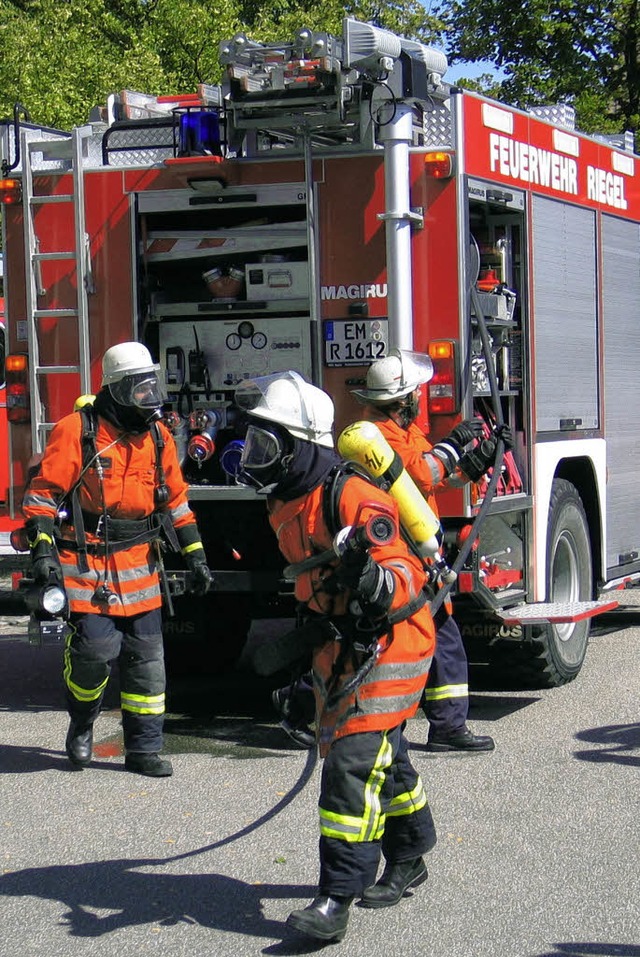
466, 432
371, 583
201, 577
352, 563
44, 558
476, 462
47, 571
504, 432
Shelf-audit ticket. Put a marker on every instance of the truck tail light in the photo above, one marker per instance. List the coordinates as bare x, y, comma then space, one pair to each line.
438, 165
17, 392
10, 192
443, 396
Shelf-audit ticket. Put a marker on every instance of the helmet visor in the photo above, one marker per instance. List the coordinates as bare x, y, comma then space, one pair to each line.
140, 391
262, 449
417, 368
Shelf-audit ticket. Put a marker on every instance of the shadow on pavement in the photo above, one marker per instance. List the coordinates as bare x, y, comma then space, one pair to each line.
136, 894
619, 744
593, 950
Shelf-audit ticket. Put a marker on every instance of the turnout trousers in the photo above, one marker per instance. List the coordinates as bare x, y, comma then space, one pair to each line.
94, 643
446, 695
372, 802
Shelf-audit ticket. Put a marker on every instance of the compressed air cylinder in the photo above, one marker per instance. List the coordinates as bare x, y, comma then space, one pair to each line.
364, 443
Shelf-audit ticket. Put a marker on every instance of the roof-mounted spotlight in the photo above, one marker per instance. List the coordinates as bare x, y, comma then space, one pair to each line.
369, 49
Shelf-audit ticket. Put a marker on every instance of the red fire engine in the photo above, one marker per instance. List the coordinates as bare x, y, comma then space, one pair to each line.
333, 198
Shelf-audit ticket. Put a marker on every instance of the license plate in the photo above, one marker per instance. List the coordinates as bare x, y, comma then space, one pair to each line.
354, 342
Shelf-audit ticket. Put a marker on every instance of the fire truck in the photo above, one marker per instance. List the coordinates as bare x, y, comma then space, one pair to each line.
334, 198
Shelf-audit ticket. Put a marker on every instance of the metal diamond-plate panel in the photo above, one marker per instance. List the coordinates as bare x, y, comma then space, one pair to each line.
438, 128
139, 144
560, 113
555, 612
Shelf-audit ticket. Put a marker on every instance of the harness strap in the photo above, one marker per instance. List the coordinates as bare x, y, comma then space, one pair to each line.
97, 548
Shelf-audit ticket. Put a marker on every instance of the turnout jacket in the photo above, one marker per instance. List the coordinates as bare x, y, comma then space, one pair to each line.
391, 692
128, 464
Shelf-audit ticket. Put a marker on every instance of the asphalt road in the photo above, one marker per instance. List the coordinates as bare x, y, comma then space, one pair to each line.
538, 842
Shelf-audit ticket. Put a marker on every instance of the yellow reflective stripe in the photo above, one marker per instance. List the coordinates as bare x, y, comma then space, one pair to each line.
192, 548
370, 826
342, 826
446, 691
373, 822
80, 694
142, 704
41, 537
409, 802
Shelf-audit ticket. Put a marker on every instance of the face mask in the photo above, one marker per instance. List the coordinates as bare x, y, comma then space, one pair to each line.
141, 391
263, 460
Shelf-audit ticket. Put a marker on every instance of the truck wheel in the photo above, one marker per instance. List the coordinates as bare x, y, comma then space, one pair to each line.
552, 655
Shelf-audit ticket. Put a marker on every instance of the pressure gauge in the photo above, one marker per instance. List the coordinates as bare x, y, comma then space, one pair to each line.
258, 340
233, 341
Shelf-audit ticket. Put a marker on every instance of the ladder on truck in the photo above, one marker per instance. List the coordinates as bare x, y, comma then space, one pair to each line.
66, 155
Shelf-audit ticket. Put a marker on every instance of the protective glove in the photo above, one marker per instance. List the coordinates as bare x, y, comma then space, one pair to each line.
47, 571
476, 462
465, 432
504, 432
372, 584
352, 562
44, 559
201, 577
449, 449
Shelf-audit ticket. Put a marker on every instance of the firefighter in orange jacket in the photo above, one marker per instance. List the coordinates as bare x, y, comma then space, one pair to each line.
109, 481
375, 631
391, 398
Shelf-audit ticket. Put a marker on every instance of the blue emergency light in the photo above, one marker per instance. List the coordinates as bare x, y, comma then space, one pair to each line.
199, 133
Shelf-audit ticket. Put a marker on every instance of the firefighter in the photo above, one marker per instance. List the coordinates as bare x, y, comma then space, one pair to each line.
108, 483
391, 399
372, 641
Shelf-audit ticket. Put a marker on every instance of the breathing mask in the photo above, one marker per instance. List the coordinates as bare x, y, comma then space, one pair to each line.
264, 456
141, 391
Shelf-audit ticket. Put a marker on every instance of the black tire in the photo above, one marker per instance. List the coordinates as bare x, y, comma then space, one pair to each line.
552, 655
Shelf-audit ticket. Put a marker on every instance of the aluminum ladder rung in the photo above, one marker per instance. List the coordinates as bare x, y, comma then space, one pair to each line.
44, 257
58, 198
55, 313
49, 370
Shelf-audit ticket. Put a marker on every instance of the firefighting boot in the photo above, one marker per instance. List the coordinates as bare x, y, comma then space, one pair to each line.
325, 918
151, 765
463, 740
395, 881
79, 742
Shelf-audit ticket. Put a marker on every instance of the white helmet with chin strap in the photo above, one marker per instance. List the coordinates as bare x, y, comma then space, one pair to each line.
395, 376
287, 399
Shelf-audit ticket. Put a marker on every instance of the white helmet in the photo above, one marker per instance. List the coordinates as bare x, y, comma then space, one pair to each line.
127, 358
305, 411
131, 376
394, 376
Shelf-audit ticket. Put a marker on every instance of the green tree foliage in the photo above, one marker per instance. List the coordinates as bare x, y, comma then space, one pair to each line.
61, 57
584, 52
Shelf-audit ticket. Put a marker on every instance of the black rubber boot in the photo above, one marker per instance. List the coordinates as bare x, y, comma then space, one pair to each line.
325, 918
151, 765
79, 742
395, 881
462, 740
